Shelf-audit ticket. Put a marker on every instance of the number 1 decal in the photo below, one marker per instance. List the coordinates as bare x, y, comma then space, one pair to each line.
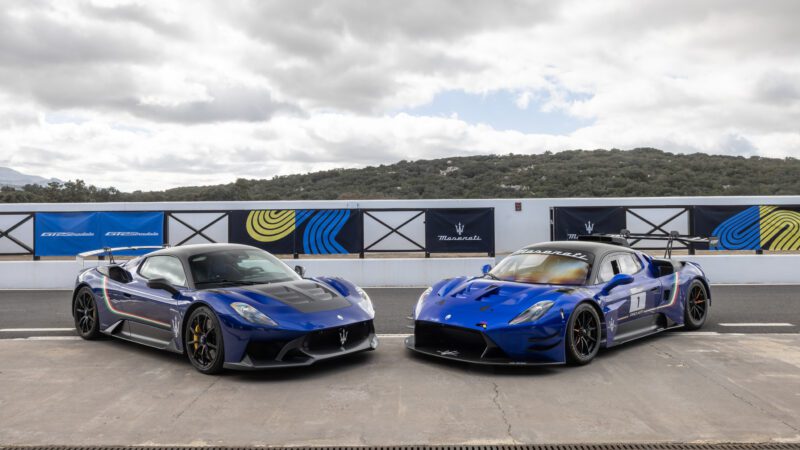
638, 301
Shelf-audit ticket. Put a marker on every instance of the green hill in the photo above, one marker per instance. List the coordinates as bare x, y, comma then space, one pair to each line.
641, 172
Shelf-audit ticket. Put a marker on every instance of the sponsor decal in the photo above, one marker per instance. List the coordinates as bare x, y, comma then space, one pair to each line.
132, 233
540, 251
612, 325
67, 234
447, 352
460, 237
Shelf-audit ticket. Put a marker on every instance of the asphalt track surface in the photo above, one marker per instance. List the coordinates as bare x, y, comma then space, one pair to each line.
734, 309
738, 380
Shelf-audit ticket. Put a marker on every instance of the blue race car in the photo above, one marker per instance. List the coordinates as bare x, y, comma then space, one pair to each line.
559, 302
224, 306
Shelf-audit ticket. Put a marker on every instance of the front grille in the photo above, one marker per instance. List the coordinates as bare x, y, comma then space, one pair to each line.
330, 340
468, 343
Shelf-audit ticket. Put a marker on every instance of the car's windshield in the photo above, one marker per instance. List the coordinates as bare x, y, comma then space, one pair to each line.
542, 269
238, 267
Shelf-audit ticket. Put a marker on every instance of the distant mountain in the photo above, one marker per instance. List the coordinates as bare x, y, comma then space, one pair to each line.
11, 177
643, 172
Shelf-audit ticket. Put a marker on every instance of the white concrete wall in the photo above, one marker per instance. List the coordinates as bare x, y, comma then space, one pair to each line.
749, 269
513, 229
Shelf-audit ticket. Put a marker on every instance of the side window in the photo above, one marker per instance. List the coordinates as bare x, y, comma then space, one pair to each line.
167, 267
628, 264
607, 270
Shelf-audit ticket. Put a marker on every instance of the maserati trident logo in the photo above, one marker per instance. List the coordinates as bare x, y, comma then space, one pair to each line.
460, 228
589, 227
342, 337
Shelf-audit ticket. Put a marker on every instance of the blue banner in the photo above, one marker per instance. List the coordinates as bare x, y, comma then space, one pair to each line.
67, 234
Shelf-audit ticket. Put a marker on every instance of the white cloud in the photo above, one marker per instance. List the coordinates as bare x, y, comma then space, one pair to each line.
144, 95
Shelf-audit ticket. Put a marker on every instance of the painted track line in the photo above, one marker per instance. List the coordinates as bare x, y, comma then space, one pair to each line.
756, 324
33, 330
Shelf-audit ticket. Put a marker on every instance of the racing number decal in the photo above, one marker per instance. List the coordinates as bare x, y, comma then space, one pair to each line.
638, 301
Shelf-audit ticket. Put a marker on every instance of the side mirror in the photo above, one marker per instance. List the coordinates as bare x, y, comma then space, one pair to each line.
300, 270
618, 280
163, 284
486, 268
119, 274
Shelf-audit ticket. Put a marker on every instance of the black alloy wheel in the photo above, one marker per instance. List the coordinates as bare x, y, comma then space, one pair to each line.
84, 311
203, 341
583, 335
696, 311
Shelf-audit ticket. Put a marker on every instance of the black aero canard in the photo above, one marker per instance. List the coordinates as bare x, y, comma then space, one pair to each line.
304, 295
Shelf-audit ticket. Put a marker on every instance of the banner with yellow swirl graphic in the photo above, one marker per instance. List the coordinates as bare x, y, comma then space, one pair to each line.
763, 227
301, 231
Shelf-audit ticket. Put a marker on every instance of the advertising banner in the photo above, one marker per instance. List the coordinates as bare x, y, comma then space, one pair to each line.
70, 233
66, 234
302, 231
131, 229
460, 230
569, 223
759, 227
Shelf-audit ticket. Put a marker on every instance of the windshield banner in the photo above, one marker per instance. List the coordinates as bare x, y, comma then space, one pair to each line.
298, 231
569, 223
70, 233
464, 230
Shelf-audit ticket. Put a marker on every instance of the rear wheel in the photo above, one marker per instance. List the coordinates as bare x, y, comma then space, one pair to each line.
583, 335
696, 307
203, 341
84, 311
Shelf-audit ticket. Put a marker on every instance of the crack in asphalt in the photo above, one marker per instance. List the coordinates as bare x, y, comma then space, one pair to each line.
727, 389
496, 401
197, 397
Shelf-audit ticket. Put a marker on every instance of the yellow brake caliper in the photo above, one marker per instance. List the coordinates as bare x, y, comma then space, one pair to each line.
196, 338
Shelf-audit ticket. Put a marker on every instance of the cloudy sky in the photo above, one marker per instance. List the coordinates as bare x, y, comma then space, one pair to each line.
162, 94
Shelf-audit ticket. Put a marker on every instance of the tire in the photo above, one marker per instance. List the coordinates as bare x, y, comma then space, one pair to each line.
84, 312
202, 339
583, 335
695, 311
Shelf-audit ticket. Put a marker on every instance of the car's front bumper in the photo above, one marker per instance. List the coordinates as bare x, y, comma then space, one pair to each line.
309, 348
454, 355
526, 345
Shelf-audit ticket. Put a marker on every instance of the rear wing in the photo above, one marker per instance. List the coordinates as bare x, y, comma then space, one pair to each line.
625, 236
109, 251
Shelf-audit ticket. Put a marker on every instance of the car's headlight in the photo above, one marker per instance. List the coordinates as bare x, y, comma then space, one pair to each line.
532, 313
365, 302
253, 315
421, 300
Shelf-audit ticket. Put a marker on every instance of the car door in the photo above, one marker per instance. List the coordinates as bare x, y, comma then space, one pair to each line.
633, 303
153, 311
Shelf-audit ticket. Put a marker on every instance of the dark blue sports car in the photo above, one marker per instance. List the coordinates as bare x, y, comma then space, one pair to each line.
224, 306
559, 302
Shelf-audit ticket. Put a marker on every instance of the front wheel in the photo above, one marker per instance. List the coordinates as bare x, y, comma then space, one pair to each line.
583, 335
696, 311
84, 311
203, 341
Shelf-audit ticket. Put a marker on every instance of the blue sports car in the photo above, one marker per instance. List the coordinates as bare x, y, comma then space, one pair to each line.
559, 302
224, 306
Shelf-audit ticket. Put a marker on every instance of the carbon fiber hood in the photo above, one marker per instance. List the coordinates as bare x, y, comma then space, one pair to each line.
306, 296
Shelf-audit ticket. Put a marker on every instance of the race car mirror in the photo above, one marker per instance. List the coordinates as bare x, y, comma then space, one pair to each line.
618, 280
486, 268
161, 283
300, 271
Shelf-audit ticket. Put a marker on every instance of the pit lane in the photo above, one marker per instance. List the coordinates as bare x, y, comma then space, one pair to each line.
724, 384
